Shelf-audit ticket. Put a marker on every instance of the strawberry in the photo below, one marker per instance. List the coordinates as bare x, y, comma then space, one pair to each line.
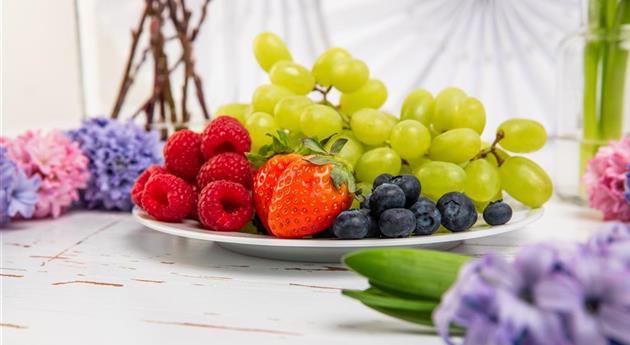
265, 182
308, 196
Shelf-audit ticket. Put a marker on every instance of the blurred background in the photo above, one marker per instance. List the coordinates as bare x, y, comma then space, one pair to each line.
63, 60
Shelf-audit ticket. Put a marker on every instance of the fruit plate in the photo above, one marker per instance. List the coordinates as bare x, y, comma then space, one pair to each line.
330, 250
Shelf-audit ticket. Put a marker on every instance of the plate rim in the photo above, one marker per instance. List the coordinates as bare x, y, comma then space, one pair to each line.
258, 240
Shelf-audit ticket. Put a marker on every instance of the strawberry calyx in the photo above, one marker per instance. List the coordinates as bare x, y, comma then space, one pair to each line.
280, 144
341, 173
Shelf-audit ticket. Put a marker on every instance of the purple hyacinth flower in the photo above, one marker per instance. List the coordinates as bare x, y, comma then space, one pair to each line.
491, 300
118, 152
18, 193
593, 299
627, 185
611, 242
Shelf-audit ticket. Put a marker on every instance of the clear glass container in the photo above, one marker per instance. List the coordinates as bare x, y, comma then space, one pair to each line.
593, 104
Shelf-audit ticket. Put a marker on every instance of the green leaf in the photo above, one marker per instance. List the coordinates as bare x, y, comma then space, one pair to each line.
313, 145
338, 145
376, 298
325, 141
422, 273
283, 137
420, 318
256, 159
320, 160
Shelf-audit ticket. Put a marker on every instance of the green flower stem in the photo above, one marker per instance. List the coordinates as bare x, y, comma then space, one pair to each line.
605, 64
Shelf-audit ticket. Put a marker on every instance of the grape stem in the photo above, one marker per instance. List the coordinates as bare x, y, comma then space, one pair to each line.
491, 150
324, 92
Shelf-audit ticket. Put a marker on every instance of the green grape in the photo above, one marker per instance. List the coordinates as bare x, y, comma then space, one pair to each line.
322, 69
410, 139
456, 146
366, 188
483, 180
269, 49
480, 205
351, 151
372, 94
525, 181
288, 110
320, 121
491, 158
267, 96
406, 169
391, 119
447, 105
470, 114
370, 126
292, 76
235, 110
258, 125
522, 135
418, 105
417, 163
375, 162
348, 75
439, 178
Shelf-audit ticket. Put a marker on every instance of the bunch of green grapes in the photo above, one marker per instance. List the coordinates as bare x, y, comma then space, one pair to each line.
435, 138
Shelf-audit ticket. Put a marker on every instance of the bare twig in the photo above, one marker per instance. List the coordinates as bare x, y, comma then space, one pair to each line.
126, 82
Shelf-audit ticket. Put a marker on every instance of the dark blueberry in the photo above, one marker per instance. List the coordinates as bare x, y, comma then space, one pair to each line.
386, 196
366, 201
351, 224
428, 217
497, 213
410, 185
397, 222
373, 230
458, 211
380, 179
326, 233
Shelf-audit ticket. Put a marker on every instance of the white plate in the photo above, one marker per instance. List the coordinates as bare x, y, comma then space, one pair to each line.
329, 250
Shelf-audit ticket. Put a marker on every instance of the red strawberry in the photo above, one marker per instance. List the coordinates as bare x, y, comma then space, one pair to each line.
167, 198
310, 193
141, 181
224, 134
182, 154
265, 182
229, 166
224, 206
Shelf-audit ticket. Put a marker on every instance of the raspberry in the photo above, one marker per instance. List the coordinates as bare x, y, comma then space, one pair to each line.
224, 206
182, 154
224, 134
141, 181
229, 166
193, 212
168, 198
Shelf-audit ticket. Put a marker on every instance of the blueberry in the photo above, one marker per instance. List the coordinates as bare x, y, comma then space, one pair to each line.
380, 179
326, 233
428, 217
373, 230
497, 213
397, 222
386, 196
458, 211
410, 185
366, 202
351, 224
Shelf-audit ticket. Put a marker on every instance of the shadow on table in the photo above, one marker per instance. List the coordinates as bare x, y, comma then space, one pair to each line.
381, 326
184, 252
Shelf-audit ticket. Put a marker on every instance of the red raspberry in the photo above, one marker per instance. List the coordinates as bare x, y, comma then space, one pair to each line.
141, 181
193, 212
182, 154
229, 166
168, 198
224, 206
224, 134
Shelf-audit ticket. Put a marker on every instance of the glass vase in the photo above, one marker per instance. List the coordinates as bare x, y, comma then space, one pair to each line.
593, 104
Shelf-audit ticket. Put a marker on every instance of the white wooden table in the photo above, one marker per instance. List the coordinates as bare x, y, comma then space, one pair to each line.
100, 278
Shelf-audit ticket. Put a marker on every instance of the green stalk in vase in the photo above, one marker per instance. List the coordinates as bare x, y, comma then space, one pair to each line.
605, 64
